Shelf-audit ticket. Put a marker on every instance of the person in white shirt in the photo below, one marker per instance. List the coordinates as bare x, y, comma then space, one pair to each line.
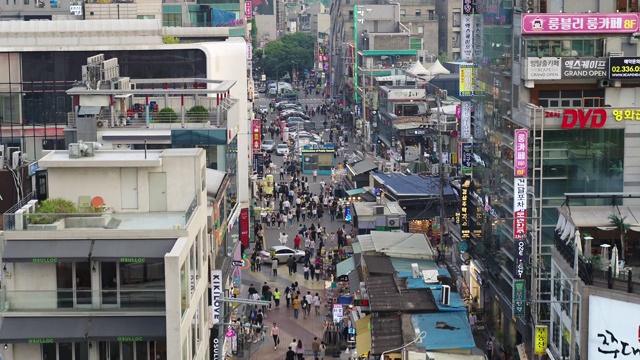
309, 299
317, 303
283, 238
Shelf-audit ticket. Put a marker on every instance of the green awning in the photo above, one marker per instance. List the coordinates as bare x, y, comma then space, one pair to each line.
355, 191
389, 52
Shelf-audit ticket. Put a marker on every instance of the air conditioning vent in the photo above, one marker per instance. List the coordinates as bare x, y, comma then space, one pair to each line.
616, 53
446, 295
393, 222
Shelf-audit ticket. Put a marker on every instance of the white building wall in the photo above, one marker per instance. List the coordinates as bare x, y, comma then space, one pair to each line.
33, 285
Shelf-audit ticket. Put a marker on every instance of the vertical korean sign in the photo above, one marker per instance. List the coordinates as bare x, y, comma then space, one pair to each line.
521, 154
244, 227
519, 298
468, 9
519, 224
248, 10
465, 229
465, 120
465, 159
256, 136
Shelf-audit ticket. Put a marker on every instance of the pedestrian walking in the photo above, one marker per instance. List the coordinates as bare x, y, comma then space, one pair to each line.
315, 347
315, 175
317, 271
274, 267
305, 271
275, 334
290, 264
276, 298
290, 355
305, 306
258, 264
489, 347
316, 303
472, 321
300, 350
296, 307
287, 295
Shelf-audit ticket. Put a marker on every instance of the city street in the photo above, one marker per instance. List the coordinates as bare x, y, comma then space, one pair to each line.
290, 328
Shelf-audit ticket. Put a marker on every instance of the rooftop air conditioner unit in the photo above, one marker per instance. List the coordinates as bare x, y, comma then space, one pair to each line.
393, 222
16, 159
445, 298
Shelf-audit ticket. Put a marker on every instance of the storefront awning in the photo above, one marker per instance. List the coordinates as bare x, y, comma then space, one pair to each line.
357, 191
363, 335
127, 328
46, 251
345, 267
131, 250
40, 330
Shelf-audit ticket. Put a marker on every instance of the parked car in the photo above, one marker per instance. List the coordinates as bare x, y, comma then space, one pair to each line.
268, 145
256, 95
294, 122
288, 105
280, 254
282, 149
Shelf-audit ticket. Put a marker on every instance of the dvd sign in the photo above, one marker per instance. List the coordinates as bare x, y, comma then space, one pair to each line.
584, 118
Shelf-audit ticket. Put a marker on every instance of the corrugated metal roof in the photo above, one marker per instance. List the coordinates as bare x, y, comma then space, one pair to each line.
386, 334
378, 264
362, 166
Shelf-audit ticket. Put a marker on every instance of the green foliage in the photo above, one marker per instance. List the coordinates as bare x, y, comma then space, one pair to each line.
167, 115
198, 113
443, 57
167, 39
279, 57
56, 206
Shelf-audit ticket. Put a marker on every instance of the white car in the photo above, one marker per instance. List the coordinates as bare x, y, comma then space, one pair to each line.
282, 149
281, 254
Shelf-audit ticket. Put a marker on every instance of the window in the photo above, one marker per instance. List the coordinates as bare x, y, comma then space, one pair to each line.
420, 29
516, 49
146, 17
76, 351
403, 12
170, 19
571, 98
418, 12
558, 48
432, 15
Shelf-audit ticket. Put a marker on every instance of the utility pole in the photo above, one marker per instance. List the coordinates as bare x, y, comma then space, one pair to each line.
440, 167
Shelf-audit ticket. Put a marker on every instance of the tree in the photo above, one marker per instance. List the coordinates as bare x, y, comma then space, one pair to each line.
58, 207
280, 56
443, 57
619, 222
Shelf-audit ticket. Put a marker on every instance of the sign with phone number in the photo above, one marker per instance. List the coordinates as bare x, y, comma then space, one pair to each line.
624, 68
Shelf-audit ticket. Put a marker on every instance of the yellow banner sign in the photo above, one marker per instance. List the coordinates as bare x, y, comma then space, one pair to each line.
542, 336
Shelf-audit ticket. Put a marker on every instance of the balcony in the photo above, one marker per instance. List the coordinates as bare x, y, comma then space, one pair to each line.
81, 301
27, 218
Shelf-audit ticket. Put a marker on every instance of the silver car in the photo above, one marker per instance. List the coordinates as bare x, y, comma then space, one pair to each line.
281, 254
268, 145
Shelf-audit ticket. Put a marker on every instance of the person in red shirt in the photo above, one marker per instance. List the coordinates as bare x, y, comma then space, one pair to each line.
296, 242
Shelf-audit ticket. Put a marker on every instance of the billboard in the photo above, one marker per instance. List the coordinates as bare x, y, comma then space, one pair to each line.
613, 328
465, 225
465, 120
465, 159
466, 79
466, 46
521, 153
559, 24
624, 68
590, 118
554, 68
263, 7
248, 10
256, 135
519, 298
519, 225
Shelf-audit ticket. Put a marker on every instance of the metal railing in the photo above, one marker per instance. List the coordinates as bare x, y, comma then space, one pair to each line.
585, 270
80, 300
10, 216
190, 210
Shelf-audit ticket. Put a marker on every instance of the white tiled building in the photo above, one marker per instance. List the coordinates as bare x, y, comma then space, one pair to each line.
126, 283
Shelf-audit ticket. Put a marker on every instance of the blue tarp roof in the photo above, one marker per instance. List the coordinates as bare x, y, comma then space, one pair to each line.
406, 185
456, 334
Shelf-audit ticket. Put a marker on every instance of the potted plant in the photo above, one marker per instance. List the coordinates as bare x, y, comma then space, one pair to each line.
167, 115
57, 207
198, 113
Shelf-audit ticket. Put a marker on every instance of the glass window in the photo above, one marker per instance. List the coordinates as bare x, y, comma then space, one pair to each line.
184, 288
172, 19
142, 351
432, 15
420, 29
418, 12
403, 12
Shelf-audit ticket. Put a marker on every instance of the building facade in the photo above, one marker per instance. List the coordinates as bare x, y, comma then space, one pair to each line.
571, 100
127, 274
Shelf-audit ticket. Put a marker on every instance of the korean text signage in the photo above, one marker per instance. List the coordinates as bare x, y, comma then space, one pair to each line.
256, 135
613, 329
466, 80
624, 68
545, 68
542, 337
552, 68
244, 227
521, 154
248, 10
465, 120
465, 228
465, 159
558, 24
216, 294
519, 224
468, 7
591, 118
519, 298
258, 165
467, 38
